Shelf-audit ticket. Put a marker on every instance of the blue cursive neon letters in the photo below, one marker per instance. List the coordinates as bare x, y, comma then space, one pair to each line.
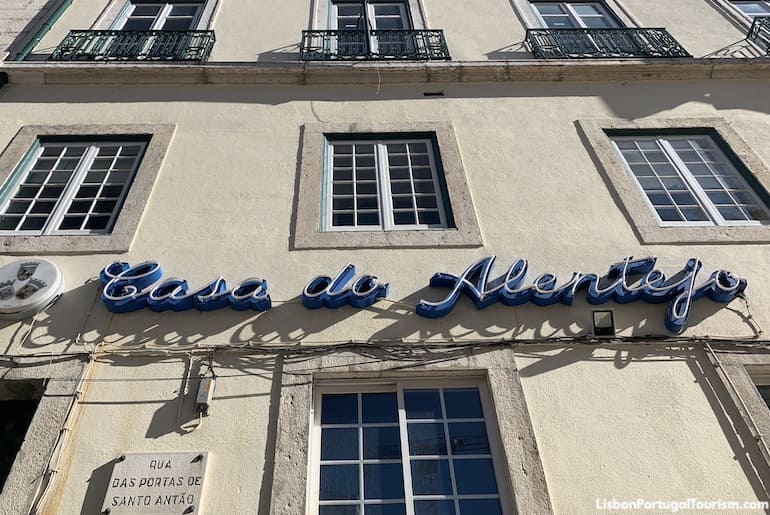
324, 291
129, 288
627, 281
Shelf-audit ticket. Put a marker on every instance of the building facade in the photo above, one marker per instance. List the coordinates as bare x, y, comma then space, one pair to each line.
378, 258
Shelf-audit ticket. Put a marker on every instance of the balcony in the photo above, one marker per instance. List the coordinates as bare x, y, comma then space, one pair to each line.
603, 43
352, 45
135, 45
759, 32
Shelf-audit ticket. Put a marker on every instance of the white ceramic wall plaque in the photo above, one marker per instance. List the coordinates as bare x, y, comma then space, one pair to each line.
27, 286
156, 484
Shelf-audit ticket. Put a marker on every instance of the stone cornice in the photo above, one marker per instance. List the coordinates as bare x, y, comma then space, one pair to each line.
49, 73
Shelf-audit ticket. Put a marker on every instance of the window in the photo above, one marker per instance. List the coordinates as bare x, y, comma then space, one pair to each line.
753, 9
382, 184
574, 15
36, 398
689, 180
382, 16
20, 156
403, 449
359, 18
160, 16
69, 187
386, 185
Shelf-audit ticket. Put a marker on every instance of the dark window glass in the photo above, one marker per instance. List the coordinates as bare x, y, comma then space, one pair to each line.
339, 482
14, 422
463, 403
339, 409
422, 404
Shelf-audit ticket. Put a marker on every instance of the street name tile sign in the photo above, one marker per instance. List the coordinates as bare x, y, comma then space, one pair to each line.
156, 484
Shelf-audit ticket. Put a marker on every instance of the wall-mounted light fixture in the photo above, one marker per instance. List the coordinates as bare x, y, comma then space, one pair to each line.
604, 322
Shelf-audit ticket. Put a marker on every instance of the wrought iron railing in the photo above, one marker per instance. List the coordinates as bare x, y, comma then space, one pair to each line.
603, 43
759, 32
345, 45
135, 45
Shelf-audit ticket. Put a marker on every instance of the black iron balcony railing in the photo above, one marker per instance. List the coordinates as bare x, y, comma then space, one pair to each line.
346, 45
759, 32
135, 45
603, 43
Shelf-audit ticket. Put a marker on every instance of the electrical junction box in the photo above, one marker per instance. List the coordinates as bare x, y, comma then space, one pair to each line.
205, 393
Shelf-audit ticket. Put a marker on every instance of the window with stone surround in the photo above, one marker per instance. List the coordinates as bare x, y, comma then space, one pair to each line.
403, 448
383, 184
688, 180
70, 186
696, 180
78, 188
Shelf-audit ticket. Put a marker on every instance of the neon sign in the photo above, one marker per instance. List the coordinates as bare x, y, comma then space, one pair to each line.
627, 281
130, 288
323, 291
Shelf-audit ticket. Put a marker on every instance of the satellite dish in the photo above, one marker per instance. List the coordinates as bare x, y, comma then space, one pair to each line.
27, 286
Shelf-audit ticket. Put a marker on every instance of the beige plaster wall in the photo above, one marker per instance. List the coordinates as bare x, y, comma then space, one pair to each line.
630, 422
622, 423
704, 28
638, 422
491, 30
224, 200
139, 405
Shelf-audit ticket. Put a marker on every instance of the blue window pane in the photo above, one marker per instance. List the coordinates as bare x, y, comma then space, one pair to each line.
383, 481
463, 403
468, 438
431, 477
435, 508
385, 509
339, 409
339, 444
477, 506
426, 439
339, 510
382, 443
475, 477
379, 407
338, 482
422, 404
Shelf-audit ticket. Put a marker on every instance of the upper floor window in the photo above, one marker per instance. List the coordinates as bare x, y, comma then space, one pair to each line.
574, 15
688, 180
361, 18
753, 9
142, 15
69, 187
383, 184
377, 15
398, 449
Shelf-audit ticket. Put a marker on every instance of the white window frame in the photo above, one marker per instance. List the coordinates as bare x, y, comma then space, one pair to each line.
403, 9
385, 198
736, 4
348, 386
694, 187
70, 189
371, 21
369, 13
573, 15
162, 15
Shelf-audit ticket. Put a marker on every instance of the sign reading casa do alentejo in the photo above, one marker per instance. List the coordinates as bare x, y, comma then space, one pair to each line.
156, 484
130, 288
